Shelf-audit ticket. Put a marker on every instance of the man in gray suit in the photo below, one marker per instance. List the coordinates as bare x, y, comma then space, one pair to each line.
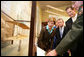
74, 36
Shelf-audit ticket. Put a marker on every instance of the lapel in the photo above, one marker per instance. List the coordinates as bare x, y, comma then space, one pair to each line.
52, 34
64, 32
58, 33
71, 21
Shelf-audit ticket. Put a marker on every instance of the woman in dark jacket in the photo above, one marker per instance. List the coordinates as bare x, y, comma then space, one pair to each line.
45, 40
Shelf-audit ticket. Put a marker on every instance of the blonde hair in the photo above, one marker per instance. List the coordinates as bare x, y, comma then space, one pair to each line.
60, 19
52, 19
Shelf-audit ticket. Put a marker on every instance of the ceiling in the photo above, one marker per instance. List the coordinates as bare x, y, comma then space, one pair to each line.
57, 4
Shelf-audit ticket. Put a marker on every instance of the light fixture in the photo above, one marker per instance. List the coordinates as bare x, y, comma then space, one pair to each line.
53, 13
55, 8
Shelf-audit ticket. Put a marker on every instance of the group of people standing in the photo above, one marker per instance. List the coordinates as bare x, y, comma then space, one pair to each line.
62, 40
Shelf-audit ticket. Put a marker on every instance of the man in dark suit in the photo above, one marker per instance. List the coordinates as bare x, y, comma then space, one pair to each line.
60, 33
73, 16
74, 36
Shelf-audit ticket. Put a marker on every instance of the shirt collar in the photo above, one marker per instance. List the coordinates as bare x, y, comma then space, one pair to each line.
61, 28
74, 18
49, 30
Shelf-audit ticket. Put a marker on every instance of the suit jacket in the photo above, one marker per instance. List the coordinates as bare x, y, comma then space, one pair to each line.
57, 35
45, 39
74, 36
69, 23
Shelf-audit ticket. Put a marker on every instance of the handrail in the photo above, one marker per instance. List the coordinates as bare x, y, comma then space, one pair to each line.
8, 15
